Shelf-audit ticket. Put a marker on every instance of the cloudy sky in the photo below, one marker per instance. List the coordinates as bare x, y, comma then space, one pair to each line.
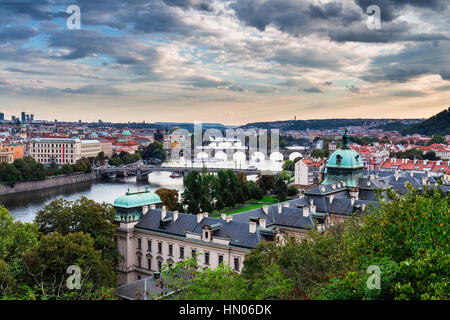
232, 62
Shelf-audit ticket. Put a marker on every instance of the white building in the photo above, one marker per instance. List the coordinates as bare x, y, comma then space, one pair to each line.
62, 150
307, 171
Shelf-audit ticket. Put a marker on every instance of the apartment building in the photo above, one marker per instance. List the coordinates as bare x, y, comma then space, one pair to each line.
307, 171
62, 150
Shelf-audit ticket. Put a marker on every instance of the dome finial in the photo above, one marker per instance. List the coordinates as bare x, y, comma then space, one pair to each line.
345, 139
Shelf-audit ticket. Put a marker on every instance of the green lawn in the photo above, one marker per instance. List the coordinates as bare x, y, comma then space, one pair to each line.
249, 205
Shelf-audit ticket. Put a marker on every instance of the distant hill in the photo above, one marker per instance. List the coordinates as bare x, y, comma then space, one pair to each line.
316, 124
438, 124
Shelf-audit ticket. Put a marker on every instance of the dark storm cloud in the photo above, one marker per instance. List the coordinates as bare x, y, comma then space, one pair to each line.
296, 17
85, 43
11, 33
413, 61
391, 9
189, 4
390, 32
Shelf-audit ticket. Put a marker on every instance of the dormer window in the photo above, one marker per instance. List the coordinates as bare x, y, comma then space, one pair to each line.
206, 235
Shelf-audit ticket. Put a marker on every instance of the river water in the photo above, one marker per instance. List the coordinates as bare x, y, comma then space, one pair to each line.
25, 205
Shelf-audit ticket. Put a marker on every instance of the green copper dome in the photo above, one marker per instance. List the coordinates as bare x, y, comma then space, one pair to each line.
344, 165
126, 133
137, 199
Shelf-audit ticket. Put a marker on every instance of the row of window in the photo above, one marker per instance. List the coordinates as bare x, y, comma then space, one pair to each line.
51, 145
52, 151
206, 255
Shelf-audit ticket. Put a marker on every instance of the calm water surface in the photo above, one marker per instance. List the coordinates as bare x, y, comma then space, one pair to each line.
24, 205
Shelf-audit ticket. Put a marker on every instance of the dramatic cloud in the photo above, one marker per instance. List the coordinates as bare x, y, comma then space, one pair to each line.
233, 61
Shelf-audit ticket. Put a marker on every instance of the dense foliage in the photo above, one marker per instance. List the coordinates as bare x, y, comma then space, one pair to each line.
124, 158
206, 192
28, 169
436, 125
154, 150
34, 257
406, 237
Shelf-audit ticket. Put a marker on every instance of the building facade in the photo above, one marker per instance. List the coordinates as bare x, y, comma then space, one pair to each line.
62, 150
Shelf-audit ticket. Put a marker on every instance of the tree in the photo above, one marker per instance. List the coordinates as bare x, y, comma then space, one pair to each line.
317, 153
155, 150
169, 198
83, 215
266, 182
9, 175
255, 192
48, 261
16, 238
437, 139
292, 191
192, 193
280, 189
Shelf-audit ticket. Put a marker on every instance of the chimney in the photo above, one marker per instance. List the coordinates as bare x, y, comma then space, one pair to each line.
229, 219
438, 162
312, 209
424, 180
262, 223
175, 215
305, 211
286, 204
331, 197
333, 186
265, 209
252, 226
425, 161
322, 188
163, 212
396, 175
205, 214
199, 217
280, 208
144, 210
352, 201
223, 216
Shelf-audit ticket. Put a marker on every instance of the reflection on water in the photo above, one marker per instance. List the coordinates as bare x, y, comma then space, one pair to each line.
25, 205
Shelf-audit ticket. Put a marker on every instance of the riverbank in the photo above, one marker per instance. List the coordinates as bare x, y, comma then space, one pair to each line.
47, 183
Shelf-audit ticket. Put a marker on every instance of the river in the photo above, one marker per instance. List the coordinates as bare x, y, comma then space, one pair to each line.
25, 205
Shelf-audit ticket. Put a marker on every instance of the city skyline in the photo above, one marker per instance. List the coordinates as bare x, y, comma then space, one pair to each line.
229, 62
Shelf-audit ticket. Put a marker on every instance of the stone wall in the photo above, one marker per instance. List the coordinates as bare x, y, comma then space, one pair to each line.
47, 183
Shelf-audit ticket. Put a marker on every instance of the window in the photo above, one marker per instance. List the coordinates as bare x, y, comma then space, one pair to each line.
181, 252
149, 245
149, 264
220, 258
206, 235
160, 247
139, 277
207, 258
170, 250
159, 265
139, 243
193, 252
139, 262
236, 264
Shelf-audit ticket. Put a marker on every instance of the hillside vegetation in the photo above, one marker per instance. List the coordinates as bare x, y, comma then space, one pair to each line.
438, 124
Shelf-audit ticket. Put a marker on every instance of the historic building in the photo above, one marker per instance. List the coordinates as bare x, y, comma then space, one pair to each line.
149, 236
